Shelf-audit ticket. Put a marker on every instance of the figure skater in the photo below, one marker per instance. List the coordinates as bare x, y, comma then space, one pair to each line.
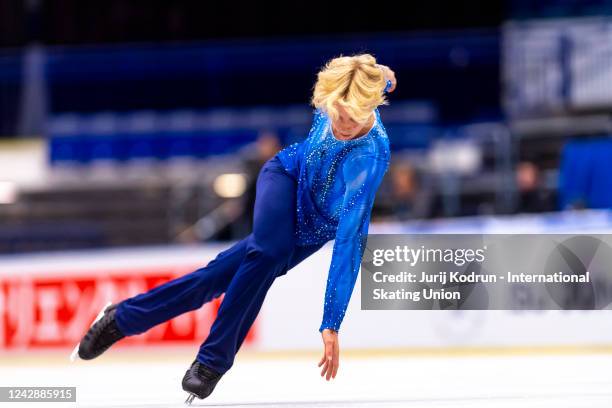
309, 193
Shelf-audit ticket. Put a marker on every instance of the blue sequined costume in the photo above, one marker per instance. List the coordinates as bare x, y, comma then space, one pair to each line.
337, 182
319, 189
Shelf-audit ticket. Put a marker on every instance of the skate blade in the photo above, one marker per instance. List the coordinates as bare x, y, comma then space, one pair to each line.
75, 352
190, 399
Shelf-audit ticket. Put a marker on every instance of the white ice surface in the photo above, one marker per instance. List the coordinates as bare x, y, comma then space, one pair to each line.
551, 381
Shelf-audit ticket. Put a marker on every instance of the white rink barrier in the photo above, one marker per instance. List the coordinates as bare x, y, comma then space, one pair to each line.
48, 300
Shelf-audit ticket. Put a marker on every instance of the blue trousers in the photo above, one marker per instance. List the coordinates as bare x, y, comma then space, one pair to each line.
244, 272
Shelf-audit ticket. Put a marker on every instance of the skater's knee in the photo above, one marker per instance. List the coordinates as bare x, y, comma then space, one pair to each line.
276, 255
270, 254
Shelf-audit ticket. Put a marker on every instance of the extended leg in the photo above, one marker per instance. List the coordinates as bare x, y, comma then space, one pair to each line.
189, 292
271, 251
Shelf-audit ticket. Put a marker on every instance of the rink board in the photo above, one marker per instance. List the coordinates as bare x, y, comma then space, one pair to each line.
47, 300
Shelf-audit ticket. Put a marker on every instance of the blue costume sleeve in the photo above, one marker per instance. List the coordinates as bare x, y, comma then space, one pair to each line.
362, 175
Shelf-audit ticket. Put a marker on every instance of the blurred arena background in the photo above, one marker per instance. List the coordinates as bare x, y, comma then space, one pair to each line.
132, 133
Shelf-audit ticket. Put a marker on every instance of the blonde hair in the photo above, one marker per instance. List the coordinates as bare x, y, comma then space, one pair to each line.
354, 82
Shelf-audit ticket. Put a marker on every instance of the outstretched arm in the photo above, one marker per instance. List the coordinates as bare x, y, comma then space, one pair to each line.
362, 175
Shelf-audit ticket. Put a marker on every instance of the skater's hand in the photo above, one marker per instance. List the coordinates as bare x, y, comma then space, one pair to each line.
331, 354
389, 75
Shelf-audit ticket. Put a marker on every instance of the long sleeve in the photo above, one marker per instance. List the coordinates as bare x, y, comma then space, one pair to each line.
362, 175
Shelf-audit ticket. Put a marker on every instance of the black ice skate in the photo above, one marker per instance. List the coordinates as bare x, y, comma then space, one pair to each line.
102, 334
199, 381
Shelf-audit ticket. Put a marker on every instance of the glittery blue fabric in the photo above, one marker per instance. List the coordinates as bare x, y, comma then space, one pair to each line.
337, 182
388, 86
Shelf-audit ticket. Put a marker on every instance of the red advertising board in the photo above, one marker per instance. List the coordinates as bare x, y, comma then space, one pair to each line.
55, 310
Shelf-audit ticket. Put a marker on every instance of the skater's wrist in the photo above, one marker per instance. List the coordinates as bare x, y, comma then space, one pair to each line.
388, 86
332, 330
389, 77
328, 327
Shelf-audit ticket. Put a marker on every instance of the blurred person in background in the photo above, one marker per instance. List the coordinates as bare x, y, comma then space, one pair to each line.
311, 192
404, 195
266, 146
408, 199
232, 220
532, 196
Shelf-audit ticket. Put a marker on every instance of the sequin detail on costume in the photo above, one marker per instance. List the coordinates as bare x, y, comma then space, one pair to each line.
337, 182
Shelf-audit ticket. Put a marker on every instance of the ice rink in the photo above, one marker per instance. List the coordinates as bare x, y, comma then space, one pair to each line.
460, 380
